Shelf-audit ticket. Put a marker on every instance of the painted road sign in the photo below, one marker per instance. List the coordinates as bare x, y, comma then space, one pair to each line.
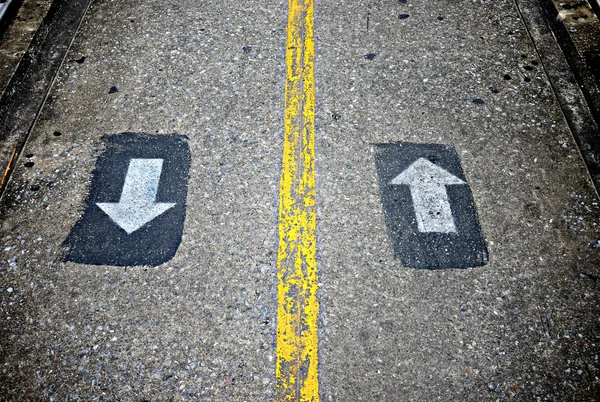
136, 206
429, 208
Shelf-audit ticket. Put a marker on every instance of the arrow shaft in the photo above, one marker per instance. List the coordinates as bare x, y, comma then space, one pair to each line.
141, 181
432, 208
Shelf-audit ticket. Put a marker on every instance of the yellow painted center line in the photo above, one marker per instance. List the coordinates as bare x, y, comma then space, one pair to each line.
298, 307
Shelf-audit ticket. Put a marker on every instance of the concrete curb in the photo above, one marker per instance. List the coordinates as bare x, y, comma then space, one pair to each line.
33, 78
8, 10
577, 30
573, 84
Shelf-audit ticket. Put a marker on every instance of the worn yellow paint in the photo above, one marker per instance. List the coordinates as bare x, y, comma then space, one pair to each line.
298, 307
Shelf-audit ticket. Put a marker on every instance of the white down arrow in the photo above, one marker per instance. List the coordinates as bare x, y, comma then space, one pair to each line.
427, 183
138, 205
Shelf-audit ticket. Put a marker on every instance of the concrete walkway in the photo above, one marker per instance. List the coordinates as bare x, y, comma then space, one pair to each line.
249, 227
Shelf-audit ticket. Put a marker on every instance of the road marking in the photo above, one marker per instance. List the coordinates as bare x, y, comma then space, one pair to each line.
138, 205
427, 183
298, 307
428, 207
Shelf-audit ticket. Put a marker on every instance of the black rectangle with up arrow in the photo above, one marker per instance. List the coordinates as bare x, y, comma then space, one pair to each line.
136, 206
429, 208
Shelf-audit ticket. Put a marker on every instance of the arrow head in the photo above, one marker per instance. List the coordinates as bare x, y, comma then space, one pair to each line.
423, 172
132, 216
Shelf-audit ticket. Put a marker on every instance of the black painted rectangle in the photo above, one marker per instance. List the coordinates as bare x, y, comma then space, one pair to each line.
428, 250
97, 239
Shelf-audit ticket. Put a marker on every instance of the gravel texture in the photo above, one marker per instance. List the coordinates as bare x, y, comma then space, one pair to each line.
201, 326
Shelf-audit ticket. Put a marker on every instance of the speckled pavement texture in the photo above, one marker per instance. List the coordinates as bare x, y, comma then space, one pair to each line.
202, 326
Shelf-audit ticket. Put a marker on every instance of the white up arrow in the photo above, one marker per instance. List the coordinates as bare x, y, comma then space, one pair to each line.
138, 205
428, 183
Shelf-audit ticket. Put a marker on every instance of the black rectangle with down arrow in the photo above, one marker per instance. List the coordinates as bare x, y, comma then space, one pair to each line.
136, 206
429, 208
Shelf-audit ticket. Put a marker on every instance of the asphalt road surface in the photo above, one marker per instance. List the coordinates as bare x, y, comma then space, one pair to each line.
333, 200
